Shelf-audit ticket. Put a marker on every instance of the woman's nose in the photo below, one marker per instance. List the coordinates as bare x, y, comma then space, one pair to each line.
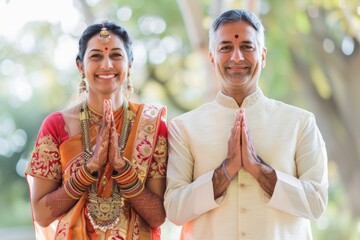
107, 63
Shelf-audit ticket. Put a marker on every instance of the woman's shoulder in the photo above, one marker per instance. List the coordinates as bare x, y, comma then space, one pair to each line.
54, 118
51, 126
57, 123
59, 117
72, 111
148, 107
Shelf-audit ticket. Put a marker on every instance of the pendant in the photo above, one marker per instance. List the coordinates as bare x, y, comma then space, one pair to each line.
104, 181
104, 213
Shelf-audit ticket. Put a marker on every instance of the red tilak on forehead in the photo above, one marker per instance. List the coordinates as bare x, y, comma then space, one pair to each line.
106, 48
236, 36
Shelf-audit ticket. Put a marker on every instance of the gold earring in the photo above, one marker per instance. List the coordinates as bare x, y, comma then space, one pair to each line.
82, 85
129, 85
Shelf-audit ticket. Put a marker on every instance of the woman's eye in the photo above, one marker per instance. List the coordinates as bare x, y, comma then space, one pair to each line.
116, 55
96, 56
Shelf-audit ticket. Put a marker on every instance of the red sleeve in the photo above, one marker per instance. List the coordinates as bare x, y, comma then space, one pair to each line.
54, 125
45, 158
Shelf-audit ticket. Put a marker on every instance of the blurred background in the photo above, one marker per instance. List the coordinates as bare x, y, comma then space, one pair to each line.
313, 62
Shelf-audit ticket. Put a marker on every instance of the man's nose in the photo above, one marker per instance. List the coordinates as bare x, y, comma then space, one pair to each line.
237, 55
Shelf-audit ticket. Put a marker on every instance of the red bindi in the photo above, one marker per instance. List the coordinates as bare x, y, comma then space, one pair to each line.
236, 36
106, 48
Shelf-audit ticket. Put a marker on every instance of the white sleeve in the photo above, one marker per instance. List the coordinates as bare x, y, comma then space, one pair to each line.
304, 195
186, 198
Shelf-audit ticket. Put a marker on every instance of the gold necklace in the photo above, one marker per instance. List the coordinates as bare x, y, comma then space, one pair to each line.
100, 114
92, 110
104, 212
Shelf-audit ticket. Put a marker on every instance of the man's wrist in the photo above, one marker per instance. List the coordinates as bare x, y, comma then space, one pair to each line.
223, 166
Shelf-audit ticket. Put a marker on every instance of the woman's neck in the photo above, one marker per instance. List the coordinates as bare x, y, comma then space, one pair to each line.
95, 102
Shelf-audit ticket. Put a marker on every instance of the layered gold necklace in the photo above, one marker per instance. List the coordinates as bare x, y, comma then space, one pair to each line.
104, 212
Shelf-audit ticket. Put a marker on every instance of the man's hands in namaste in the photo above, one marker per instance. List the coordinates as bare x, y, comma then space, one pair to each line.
107, 148
241, 149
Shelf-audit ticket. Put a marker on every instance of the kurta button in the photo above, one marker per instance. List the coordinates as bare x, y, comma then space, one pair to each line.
243, 210
242, 185
243, 234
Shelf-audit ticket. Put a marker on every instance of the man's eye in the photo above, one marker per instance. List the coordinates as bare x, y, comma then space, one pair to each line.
248, 48
225, 48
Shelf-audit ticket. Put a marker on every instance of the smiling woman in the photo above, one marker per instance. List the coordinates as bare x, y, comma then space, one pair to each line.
105, 66
88, 168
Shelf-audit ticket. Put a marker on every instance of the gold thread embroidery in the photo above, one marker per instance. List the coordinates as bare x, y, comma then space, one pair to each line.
45, 159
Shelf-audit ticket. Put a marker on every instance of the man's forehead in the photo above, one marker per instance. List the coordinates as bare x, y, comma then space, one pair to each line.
239, 30
236, 26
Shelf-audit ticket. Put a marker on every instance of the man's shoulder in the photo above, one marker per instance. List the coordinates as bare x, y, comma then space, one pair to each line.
194, 113
288, 109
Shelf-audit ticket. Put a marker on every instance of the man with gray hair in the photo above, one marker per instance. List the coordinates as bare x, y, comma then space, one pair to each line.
244, 166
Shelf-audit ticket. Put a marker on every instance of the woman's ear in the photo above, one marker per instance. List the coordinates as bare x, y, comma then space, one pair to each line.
80, 66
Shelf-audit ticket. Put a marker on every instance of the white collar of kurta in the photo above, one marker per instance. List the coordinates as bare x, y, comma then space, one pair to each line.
229, 102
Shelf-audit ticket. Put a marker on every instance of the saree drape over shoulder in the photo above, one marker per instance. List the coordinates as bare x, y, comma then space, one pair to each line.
58, 153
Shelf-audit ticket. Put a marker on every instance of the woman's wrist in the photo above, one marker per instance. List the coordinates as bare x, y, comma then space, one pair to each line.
78, 183
128, 180
91, 170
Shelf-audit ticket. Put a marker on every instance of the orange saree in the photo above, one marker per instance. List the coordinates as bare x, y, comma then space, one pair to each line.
57, 155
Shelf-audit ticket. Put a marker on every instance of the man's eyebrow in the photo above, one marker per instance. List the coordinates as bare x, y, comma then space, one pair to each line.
225, 42
99, 50
230, 42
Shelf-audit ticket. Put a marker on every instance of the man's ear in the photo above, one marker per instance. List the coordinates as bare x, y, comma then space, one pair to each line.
263, 57
212, 60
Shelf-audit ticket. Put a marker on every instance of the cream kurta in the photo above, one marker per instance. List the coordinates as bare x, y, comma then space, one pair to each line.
285, 137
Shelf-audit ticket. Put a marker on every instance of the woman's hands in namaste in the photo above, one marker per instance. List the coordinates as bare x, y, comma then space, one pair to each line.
107, 149
114, 157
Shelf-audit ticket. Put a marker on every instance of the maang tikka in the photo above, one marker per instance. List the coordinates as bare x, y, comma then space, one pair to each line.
104, 35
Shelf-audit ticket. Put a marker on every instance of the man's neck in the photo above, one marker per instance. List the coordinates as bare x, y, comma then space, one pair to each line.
239, 94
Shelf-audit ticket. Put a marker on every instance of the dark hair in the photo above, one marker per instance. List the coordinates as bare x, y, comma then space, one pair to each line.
94, 29
235, 15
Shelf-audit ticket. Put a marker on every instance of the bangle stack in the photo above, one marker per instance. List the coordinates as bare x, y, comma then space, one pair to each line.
130, 184
79, 182
224, 169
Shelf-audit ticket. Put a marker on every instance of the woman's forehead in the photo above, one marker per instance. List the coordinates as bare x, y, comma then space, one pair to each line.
113, 41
